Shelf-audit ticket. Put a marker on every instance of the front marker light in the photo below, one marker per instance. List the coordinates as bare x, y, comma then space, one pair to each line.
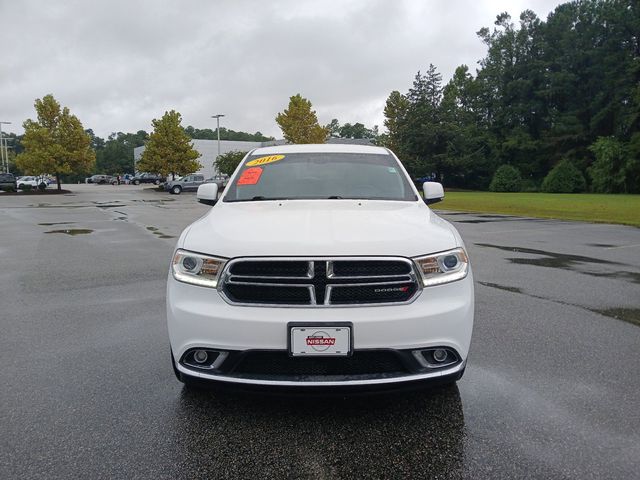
197, 269
443, 267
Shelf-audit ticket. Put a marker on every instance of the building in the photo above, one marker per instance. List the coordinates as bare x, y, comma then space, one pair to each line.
208, 150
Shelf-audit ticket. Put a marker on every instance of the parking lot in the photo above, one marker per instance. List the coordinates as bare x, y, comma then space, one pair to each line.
550, 391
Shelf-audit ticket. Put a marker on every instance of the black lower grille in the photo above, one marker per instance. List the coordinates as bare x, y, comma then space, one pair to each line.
281, 364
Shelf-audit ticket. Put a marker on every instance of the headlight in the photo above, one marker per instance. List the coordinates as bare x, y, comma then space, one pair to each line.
196, 268
443, 267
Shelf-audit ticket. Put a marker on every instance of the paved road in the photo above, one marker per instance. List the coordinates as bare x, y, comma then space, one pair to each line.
87, 391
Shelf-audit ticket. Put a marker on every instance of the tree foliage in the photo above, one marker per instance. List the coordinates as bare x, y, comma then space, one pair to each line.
228, 162
609, 171
506, 179
225, 134
115, 155
299, 124
546, 90
55, 143
564, 178
169, 150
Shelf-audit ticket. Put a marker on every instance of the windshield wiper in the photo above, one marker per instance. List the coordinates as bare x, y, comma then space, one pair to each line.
259, 198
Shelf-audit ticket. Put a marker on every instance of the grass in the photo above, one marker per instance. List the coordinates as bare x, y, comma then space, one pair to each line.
597, 208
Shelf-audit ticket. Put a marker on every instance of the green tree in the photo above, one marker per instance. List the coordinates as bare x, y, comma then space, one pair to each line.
169, 150
609, 171
425, 136
299, 124
395, 117
506, 179
228, 162
564, 178
225, 134
56, 143
116, 154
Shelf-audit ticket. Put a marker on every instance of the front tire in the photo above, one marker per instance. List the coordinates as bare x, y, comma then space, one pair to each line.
157, 182
176, 190
136, 182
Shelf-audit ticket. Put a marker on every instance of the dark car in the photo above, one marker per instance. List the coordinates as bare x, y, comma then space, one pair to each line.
188, 183
102, 180
8, 182
147, 178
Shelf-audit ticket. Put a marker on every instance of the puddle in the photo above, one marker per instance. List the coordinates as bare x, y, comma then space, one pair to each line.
622, 275
48, 205
56, 223
72, 231
502, 287
601, 245
552, 259
156, 231
631, 315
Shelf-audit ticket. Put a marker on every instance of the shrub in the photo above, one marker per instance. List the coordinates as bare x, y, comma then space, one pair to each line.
506, 179
564, 178
26, 188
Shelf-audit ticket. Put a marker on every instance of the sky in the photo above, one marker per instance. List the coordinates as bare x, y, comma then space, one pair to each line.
118, 64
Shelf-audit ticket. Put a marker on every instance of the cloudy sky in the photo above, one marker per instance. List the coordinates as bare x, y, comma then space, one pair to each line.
118, 64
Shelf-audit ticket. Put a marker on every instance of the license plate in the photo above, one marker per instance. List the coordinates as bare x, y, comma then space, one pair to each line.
310, 341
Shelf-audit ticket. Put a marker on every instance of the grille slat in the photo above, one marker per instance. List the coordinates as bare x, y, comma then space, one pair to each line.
280, 364
320, 282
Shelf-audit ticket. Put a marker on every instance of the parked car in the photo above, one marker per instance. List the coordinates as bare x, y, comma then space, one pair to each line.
8, 182
102, 180
188, 183
34, 182
319, 267
220, 180
147, 178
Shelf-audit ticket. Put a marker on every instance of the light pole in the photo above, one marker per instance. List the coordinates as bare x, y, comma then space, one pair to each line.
217, 117
4, 153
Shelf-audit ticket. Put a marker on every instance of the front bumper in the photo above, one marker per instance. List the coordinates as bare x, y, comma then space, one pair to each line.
440, 316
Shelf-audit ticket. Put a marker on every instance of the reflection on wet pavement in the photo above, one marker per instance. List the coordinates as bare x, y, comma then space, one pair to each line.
72, 231
417, 435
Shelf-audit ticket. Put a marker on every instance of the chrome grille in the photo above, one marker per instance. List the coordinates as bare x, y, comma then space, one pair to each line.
319, 282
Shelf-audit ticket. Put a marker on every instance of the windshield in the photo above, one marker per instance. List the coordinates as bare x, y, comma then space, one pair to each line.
295, 176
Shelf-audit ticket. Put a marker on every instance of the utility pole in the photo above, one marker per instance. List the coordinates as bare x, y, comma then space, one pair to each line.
217, 117
4, 153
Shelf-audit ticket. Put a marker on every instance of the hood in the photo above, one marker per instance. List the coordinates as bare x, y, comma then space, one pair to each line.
319, 228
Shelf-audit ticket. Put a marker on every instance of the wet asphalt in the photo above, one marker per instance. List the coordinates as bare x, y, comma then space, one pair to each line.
87, 391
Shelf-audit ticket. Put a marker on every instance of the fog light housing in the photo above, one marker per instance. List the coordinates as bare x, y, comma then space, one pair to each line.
203, 359
439, 355
200, 356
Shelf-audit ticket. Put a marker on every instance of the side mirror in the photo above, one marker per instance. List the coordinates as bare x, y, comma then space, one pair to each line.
207, 193
433, 192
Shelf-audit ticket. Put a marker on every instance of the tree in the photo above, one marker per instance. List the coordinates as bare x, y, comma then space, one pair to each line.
169, 149
564, 178
116, 154
506, 179
395, 117
609, 171
56, 143
228, 162
225, 134
299, 124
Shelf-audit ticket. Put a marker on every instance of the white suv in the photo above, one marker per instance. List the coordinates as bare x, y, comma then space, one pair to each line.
320, 266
